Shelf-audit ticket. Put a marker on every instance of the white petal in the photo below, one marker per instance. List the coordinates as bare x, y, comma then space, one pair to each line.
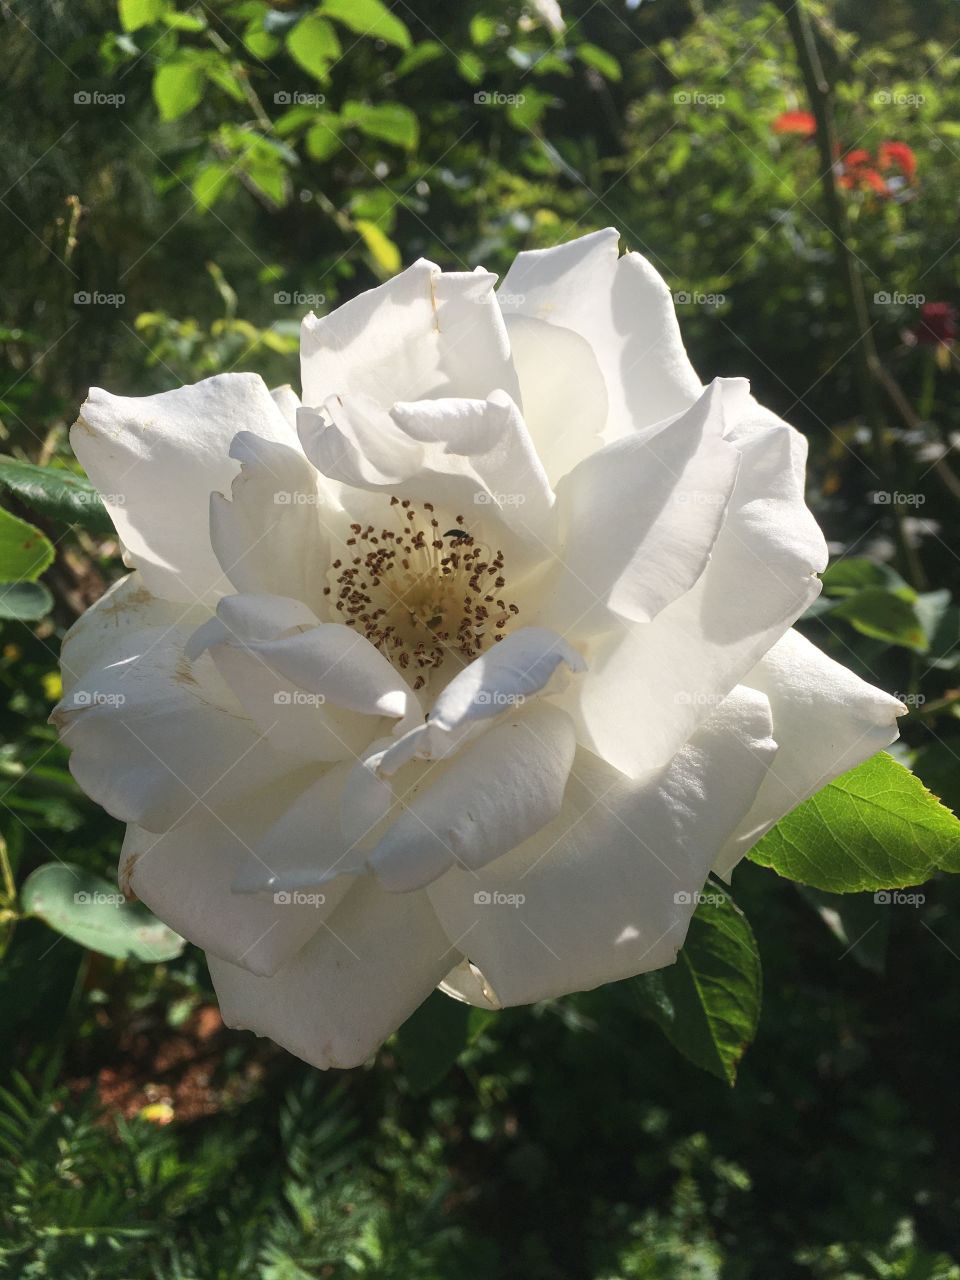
648, 689
154, 739
624, 309
494, 795
362, 975
424, 333
640, 518
271, 534
157, 459
563, 392
186, 876
826, 720
523, 665
287, 401
607, 889
470, 457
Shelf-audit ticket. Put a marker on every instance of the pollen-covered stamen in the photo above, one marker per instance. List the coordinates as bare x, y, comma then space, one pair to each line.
419, 594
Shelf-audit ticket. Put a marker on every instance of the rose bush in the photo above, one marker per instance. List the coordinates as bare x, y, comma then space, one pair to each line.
465, 671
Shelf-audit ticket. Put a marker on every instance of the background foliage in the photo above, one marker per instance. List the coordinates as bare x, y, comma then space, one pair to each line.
183, 183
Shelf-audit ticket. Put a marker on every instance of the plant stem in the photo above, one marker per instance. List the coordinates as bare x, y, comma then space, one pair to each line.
870, 371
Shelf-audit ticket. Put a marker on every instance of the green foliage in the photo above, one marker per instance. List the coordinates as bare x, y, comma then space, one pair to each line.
875, 827
708, 1003
90, 910
55, 492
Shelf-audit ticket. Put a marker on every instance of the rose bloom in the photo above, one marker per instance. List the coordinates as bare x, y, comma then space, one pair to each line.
467, 670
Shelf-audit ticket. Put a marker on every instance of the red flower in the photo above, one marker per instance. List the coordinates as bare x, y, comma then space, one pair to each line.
937, 325
899, 156
801, 122
857, 173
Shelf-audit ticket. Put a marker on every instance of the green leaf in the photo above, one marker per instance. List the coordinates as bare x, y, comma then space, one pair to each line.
600, 60
382, 249
846, 577
432, 1038
135, 14
708, 1003
24, 601
470, 67
426, 51
210, 182
177, 87
24, 551
90, 910
390, 122
885, 615
875, 827
314, 45
323, 139
57, 493
369, 18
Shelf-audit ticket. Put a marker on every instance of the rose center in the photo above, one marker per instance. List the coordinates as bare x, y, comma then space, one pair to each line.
419, 594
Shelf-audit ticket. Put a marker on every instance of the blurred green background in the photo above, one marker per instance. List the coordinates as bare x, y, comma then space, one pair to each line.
182, 182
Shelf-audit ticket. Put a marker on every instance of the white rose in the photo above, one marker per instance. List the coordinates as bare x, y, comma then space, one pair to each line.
480, 668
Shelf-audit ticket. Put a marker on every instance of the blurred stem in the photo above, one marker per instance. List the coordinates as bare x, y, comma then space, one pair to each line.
870, 372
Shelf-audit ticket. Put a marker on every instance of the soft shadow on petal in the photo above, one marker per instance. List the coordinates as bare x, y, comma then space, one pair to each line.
424, 333
494, 795
826, 720
648, 687
157, 459
607, 889
361, 976
187, 876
